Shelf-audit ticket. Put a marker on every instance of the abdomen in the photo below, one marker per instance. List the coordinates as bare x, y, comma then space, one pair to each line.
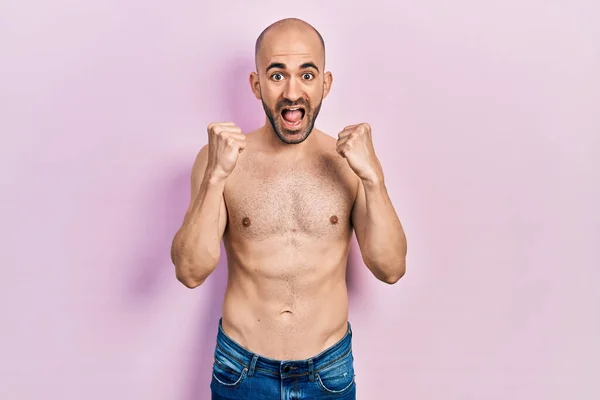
286, 300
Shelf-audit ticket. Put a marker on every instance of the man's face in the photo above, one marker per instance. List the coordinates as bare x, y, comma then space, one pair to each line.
291, 83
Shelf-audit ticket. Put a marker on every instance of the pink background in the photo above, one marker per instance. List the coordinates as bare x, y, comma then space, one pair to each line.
486, 118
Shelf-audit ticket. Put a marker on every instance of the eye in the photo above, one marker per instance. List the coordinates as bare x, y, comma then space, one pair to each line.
309, 75
275, 75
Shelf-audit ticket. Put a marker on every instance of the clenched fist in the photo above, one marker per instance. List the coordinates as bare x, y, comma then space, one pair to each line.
356, 146
225, 143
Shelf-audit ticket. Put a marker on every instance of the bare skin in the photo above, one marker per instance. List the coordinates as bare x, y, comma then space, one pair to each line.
287, 243
285, 199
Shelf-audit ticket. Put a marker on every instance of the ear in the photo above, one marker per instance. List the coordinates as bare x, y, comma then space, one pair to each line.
255, 85
327, 81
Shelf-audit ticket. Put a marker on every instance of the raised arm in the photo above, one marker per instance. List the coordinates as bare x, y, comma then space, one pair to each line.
378, 229
196, 247
379, 232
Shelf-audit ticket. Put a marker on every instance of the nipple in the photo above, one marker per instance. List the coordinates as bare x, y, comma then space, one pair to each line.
246, 221
333, 219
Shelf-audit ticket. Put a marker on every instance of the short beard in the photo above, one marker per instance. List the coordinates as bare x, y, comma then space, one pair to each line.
300, 137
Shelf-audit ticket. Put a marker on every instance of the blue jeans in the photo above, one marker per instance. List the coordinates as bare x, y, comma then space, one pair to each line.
239, 374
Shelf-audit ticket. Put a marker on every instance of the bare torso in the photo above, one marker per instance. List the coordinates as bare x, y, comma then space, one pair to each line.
287, 241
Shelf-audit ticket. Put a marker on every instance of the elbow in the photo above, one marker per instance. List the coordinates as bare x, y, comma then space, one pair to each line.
191, 276
390, 274
189, 281
190, 270
390, 279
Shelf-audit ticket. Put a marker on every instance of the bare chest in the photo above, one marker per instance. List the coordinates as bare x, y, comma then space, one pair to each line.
262, 203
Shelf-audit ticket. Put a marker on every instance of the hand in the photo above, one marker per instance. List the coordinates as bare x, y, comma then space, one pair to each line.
225, 143
356, 146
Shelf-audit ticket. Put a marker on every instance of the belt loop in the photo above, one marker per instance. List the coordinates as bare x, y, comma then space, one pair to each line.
253, 365
311, 370
349, 328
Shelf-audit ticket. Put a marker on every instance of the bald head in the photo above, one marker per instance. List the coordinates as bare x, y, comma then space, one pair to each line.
290, 71
285, 27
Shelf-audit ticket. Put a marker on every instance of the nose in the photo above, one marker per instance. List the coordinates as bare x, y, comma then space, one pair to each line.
292, 90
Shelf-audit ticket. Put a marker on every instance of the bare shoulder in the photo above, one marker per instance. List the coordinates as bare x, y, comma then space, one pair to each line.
253, 144
250, 158
331, 160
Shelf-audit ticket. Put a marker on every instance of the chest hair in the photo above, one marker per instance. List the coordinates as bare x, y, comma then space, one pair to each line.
264, 199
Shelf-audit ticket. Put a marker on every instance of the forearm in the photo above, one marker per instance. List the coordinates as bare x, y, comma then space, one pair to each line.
384, 248
196, 246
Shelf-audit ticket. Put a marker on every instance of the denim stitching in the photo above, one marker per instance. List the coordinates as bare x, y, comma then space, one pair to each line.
277, 373
225, 367
334, 361
232, 385
229, 355
325, 389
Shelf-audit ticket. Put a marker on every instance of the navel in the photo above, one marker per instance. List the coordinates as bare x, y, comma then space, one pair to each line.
246, 221
333, 219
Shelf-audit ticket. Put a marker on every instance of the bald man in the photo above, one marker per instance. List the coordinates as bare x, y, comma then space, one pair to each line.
286, 199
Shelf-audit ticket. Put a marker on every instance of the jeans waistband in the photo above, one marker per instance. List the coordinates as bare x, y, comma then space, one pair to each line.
284, 368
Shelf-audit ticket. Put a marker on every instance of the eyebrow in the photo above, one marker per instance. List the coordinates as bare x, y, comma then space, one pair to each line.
282, 66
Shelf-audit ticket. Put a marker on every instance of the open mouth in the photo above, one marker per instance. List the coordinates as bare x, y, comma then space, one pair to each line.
292, 117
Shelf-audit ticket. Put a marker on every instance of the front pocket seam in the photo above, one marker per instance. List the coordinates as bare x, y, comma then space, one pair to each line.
225, 368
329, 391
335, 361
230, 356
234, 384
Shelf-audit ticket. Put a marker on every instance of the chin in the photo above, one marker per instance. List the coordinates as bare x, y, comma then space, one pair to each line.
293, 136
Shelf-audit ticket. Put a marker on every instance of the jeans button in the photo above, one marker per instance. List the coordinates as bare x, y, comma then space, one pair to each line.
286, 369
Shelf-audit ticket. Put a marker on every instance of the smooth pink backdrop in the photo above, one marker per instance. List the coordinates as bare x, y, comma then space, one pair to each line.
485, 116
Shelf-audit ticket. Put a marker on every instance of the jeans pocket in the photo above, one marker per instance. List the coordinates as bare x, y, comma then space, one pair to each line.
337, 378
227, 371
